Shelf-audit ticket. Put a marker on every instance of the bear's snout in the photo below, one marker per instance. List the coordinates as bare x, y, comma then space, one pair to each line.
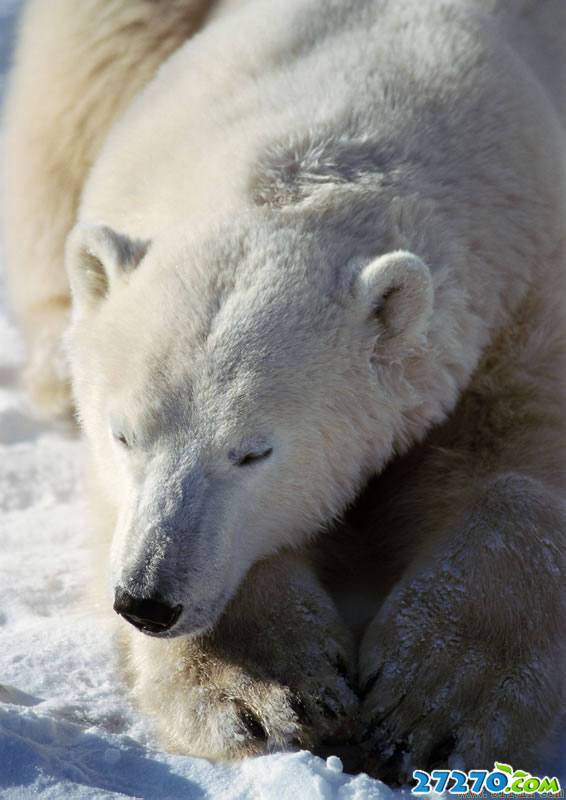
149, 614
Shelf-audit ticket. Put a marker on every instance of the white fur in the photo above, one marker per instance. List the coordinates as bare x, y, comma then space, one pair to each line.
265, 289
320, 230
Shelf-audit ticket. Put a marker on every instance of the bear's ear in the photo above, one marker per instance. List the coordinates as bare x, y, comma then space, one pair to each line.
97, 257
396, 290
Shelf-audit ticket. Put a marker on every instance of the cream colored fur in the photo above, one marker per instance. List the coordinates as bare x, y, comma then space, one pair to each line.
93, 63
336, 238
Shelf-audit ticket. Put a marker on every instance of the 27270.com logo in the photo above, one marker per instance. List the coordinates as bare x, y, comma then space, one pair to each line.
502, 780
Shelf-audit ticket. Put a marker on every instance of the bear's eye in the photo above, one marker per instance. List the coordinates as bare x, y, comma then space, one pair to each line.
251, 457
121, 438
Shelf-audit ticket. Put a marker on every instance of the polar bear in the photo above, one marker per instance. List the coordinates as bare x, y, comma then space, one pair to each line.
317, 351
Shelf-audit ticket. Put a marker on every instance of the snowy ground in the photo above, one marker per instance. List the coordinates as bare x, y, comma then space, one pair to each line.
66, 729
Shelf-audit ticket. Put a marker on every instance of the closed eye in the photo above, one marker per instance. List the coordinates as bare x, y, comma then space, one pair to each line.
247, 459
121, 431
121, 437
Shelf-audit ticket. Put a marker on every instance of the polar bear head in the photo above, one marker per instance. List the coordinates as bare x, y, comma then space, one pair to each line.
237, 387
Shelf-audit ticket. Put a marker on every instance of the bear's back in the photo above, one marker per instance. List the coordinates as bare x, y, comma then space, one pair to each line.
421, 97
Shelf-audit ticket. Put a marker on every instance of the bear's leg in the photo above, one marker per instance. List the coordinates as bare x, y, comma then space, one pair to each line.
77, 65
273, 675
464, 663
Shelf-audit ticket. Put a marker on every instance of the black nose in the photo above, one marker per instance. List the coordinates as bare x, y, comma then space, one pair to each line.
149, 614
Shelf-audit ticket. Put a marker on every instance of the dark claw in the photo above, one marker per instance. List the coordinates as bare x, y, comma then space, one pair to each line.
252, 723
299, 708
377, 723
386, 714
368, 733
328, 712
441, 752
369, 684
381, 743
342, 669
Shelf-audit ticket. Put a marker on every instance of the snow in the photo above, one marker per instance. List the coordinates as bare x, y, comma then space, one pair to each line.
67, 729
